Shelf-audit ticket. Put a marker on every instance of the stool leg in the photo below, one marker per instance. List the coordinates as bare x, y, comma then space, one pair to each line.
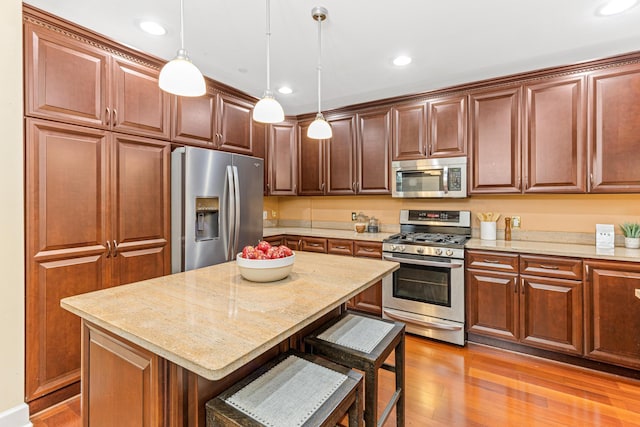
399, 353
355, 410
371, 396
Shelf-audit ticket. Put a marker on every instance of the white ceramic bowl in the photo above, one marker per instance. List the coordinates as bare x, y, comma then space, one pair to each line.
265, 270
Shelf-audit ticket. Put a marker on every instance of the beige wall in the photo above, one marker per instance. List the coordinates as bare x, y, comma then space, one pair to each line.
11, 211
566, 212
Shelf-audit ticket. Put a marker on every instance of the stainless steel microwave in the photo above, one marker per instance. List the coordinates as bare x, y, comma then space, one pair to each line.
437, 178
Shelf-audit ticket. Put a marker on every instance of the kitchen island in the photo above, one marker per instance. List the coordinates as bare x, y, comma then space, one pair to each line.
155, 351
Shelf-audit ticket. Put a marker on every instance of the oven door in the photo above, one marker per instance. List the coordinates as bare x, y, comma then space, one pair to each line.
430, 286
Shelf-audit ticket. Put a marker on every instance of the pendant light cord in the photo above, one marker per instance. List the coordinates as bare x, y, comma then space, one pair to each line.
268, 46
182, 24
319, 62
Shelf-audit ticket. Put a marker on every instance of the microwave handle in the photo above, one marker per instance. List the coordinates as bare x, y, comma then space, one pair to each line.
445, 179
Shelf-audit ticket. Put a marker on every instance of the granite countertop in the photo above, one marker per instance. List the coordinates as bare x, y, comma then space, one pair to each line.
326, 233
559, 249
211, 321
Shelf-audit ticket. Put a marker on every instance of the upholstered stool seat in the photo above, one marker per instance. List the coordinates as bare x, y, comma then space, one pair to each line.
364, 342
296, 389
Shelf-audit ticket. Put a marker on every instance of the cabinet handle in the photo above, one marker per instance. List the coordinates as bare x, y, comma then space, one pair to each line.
108, 249
340, 247
368, 249
115, 249
549, 267
515, 285
591, 179
268, 188
108, 116
522, 286
115, 117
353, 187
322, 187
491, 261
526, 182
315, 245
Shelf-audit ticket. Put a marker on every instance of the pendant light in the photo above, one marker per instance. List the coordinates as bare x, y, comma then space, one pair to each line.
319, 128
179, 76
268, 109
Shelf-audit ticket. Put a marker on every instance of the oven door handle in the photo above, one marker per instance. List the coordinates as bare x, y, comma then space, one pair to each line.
420, 262
423, 323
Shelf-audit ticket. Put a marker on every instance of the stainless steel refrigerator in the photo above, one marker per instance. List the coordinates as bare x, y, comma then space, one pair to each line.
216, 206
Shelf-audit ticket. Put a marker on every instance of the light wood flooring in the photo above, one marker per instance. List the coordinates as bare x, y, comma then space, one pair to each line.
482, 386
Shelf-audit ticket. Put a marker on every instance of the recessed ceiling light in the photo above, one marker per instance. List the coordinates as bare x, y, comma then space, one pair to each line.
614, 7
153, 28
285, 90
402, 60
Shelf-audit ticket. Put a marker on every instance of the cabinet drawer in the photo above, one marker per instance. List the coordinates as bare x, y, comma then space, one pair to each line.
367, 249
496, 261
274, 240
293, 242
340, 247
563, 268
313, 244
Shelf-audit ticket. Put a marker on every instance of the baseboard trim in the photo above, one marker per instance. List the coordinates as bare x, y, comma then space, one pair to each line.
18, 416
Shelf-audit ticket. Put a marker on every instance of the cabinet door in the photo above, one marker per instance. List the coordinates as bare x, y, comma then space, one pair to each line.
551, 314
409, 139
373, 155
614, 126
193, 119
495, 141
492, 304
369, 300
313, 244
65, 79
340, 247
311, 180
66, 173
139, 106
140, 206
341, 157
612, 312
283, 161
234, 125
275, 240
448, 127
554, 154
293, 242
259, 136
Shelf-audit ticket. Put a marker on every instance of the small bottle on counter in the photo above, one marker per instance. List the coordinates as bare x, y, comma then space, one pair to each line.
507, 228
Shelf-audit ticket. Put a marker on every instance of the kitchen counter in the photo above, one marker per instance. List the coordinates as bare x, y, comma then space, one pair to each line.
211, 321
326, 233
559, 249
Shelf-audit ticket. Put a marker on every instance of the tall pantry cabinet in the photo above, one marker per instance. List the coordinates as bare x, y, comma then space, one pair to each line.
97, 187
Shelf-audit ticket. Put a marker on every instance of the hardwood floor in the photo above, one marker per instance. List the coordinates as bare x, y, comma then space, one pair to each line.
482, 386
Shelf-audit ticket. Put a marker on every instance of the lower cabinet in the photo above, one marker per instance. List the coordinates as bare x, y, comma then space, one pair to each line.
612, 312
541, 309
370, 300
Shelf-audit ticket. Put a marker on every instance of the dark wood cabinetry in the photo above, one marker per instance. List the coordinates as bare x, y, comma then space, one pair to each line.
373, 152
341, 164
612, 312
447, 126
311, 163
233, 124
494, 143
554, 138
282, 159
97, 215
313, 244
370, 300
614, 129
193, 120
340, 247
409, 131
528, 299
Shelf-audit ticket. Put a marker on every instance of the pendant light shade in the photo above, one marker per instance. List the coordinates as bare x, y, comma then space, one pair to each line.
179, 76
268, 109
319, 128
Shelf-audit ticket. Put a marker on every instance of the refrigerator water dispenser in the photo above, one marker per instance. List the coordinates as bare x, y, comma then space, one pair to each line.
207, 218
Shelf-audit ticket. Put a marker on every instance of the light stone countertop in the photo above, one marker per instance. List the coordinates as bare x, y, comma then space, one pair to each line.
211, 321
329, 233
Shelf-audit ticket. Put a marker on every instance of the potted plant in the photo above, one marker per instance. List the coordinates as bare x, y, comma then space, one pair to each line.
631, 231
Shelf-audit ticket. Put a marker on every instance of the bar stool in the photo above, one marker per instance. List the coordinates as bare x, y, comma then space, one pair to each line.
295, 389
364, 342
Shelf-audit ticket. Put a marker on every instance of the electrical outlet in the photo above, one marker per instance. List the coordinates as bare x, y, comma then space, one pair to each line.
274, 214
353, 216
264, 214
515, 222
605, 236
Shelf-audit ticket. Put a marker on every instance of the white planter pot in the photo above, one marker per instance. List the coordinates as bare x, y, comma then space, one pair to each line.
632, 242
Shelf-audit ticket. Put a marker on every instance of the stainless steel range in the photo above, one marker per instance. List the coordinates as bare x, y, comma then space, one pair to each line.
427, 292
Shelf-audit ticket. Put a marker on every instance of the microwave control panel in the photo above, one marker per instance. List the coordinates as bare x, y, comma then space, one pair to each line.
455, 179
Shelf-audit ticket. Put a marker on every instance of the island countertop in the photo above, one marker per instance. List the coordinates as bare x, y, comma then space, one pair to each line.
211, 321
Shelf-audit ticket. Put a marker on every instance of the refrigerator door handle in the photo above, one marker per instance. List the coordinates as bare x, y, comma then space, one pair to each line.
236, 233
231, 213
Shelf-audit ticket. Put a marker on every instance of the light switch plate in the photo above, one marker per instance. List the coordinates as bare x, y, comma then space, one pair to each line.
605, 235
264, 214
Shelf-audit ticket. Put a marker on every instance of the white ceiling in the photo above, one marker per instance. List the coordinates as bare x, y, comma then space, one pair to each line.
451, 41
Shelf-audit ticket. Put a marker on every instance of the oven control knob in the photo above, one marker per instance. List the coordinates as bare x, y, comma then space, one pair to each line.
401, 248
420, 250
449, 252
438, 251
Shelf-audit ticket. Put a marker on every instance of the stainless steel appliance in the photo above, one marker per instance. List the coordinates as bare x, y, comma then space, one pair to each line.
427, 292
216, 206
438, 178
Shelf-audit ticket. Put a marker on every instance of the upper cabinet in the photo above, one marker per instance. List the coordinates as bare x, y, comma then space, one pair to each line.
106, 91
233, 124
373, 153
341, 157
193, 119
311, 160
409, 139
282, 159
447, 126
494, 142
614, 129
554, 138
